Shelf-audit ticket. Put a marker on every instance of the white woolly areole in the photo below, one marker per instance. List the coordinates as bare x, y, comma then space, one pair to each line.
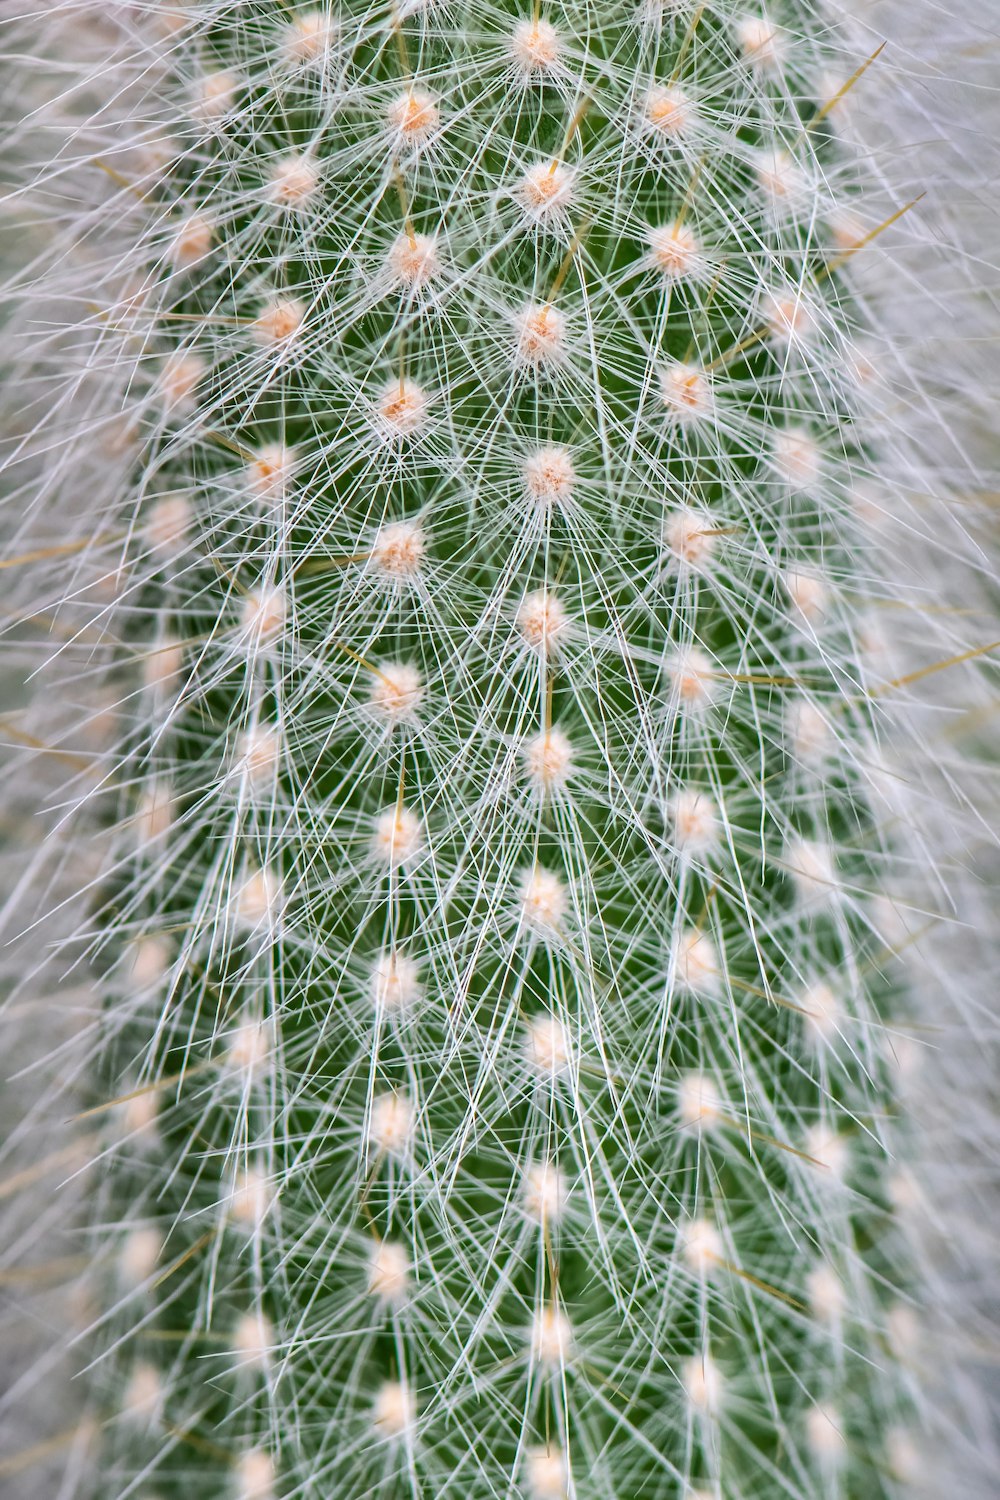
140, 1252
256, 1475
193, 240
761, 42
143, 1396
396, 691
549, 476
780, 180
542, 621
702, 1384
535, 48
214, 94
259, 900
251, 1197
847, 229
540, 337
668, 113
694, 822
674, 251
808, 595
293, 182
398, 550
155, 813
309, 38
551, 1337
150, 962
253, 1340
690, 537
398, 837
796, 458
545, 192
832, 1151
391, 1124
904, 1456
546, 1473
171, 17
395, 982
394, 1411
825, 1433
544, 1193
279, 321
904, 1192
401, 410
180, 377
249, 1046
156, 152
825, 1293
414, 261
699, 1102
789, 318
811, 866
270, 471
686, 393
692, 679
140, 1114
696, 965
169, 524
548, 760
389, 1272
904, 1330
413, 118
264, 612
807, 729
547, 1046
701, 1246
259, 754
544, 901
823, 1012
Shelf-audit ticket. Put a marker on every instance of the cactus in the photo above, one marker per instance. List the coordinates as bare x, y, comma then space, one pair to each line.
497, 1070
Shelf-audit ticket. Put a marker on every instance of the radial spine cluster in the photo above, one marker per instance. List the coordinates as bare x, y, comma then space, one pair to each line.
499, 1001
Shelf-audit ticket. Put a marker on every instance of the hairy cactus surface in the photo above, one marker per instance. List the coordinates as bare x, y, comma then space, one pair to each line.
497, 1062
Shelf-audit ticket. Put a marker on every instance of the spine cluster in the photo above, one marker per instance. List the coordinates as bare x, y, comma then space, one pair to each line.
502, 1060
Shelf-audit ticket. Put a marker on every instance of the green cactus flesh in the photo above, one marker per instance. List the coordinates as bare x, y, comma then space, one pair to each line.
497, 997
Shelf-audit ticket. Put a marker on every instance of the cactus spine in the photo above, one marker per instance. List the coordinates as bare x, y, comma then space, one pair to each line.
501, 1006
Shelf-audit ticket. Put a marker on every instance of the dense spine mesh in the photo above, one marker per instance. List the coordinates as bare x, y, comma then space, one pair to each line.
501, 997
